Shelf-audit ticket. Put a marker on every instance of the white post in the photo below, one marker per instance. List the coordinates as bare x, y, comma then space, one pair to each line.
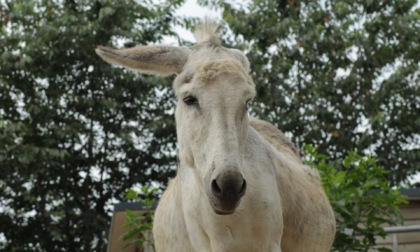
394, 242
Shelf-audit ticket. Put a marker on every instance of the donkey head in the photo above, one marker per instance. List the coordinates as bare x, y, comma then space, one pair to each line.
213, 88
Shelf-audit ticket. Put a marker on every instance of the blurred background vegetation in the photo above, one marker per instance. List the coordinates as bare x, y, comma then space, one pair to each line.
77, 133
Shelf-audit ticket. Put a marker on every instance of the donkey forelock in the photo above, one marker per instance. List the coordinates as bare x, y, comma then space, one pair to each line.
207, 32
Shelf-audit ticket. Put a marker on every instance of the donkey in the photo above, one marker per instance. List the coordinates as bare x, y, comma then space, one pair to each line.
240, 183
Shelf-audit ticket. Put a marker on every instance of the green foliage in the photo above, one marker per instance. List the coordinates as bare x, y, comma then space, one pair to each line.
141, 224
341, 75
361, 196
75, 132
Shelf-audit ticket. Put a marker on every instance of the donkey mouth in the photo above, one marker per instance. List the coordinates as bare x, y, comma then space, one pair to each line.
218, 212
225, 208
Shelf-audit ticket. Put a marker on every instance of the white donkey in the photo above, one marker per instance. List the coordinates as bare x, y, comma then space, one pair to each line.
240, 183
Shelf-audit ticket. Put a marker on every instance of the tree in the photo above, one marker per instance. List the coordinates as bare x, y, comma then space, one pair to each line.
339, 75
75, 132
362, 199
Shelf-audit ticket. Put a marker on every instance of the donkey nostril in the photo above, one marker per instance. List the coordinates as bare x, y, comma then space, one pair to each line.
243, 189
215, 188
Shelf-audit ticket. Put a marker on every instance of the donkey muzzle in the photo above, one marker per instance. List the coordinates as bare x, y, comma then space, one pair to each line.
227, 189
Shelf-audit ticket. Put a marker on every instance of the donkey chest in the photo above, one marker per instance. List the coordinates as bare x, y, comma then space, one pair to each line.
251, 228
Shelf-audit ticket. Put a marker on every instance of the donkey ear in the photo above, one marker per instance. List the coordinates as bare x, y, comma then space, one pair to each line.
164, 60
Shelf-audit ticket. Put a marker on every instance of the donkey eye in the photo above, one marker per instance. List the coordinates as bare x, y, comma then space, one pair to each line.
190, 100
248, 102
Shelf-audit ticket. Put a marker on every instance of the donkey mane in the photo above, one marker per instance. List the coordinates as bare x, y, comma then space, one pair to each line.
207, 32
